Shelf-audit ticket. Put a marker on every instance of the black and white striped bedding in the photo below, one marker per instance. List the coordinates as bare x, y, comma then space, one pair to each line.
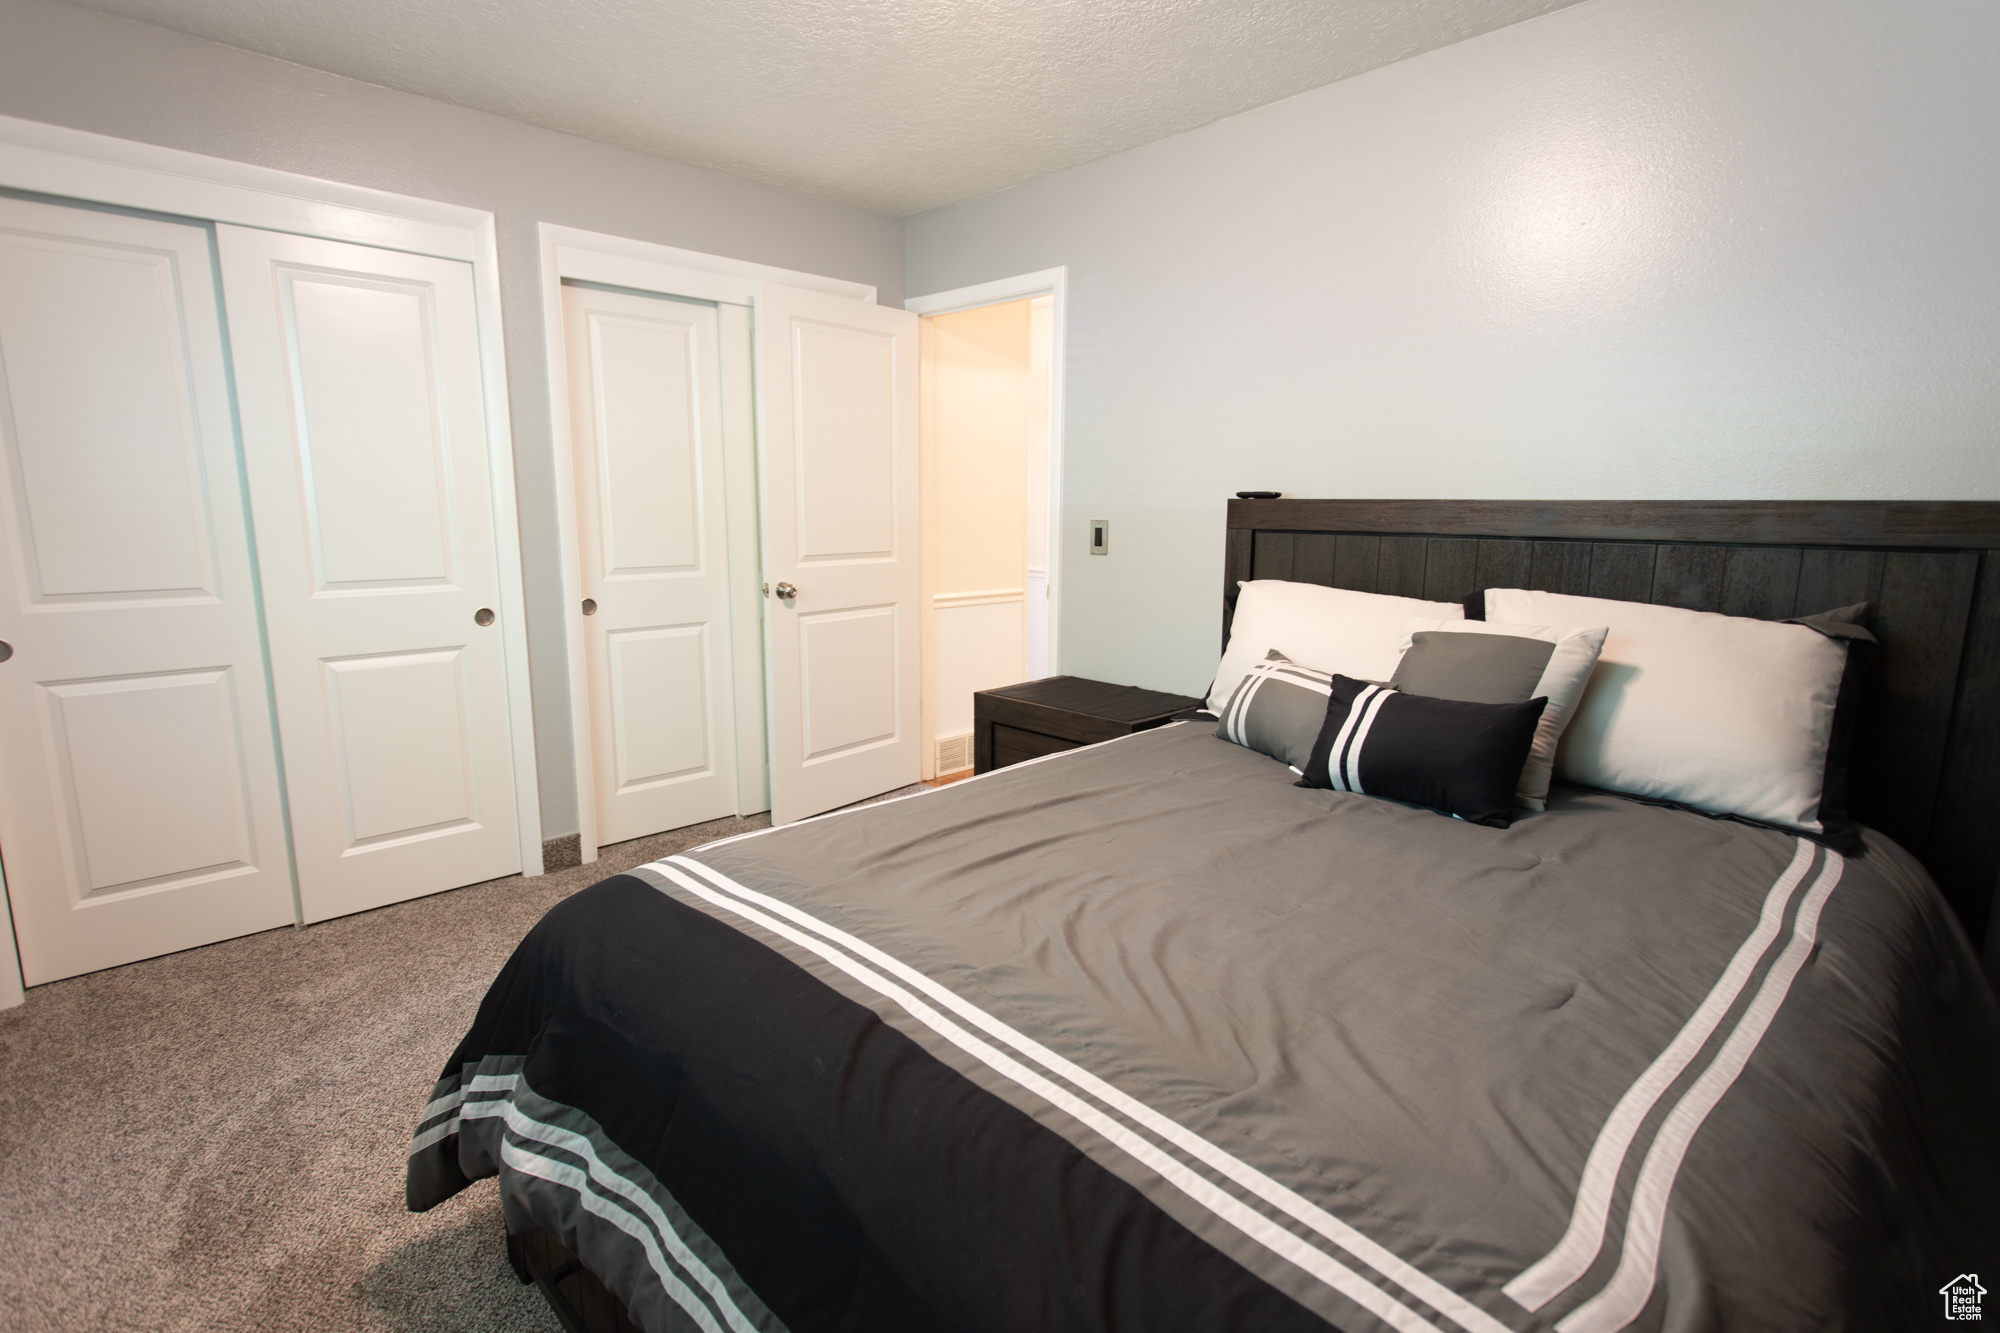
1144, 1037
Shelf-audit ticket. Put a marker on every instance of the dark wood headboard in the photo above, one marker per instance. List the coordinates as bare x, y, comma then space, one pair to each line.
1927, 763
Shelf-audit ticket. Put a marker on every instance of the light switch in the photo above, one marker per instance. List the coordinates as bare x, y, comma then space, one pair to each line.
1100, 536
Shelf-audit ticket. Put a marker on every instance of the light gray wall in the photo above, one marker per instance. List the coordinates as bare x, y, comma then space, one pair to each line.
1632, 249
90, 71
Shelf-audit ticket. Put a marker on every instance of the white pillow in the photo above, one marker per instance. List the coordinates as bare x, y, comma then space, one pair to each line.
1358, 634
1723, 713
1562, 684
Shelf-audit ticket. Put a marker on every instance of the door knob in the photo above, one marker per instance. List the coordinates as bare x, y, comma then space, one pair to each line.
483, 617
6, 650
786, 591
590, 606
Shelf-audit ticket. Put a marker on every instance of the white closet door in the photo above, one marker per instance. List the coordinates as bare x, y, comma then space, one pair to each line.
838, 381
645, 386
139, 808
358, 384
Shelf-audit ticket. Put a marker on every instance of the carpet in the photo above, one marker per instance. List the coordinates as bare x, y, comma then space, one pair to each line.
214, 1140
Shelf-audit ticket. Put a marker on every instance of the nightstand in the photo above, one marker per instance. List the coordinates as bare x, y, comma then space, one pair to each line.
1060, 713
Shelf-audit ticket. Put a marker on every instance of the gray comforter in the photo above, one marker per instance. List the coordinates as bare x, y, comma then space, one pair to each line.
1615, 1066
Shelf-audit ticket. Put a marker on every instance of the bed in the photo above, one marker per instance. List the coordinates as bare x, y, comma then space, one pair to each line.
1143, 1036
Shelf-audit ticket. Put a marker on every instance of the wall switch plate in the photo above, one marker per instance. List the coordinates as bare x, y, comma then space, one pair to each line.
1100, 536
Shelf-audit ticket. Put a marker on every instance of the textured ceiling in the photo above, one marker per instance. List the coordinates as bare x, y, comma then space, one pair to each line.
894, 105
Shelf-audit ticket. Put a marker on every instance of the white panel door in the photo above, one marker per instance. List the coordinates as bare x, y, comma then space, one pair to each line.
645, 416
364, 432
839, 453
139, 806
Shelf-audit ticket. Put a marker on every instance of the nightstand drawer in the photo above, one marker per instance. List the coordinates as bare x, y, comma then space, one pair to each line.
1011, 745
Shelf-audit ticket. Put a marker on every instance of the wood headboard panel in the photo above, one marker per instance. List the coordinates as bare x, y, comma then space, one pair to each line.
1927, 764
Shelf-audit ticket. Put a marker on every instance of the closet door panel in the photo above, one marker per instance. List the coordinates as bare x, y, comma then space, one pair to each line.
365, 439
402, 744
838, 459
150, 769
139, 808
103, 443
371, 440
645, 385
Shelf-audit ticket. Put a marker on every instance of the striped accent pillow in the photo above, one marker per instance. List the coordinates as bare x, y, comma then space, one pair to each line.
1277, 709
1460, 758
1449, 659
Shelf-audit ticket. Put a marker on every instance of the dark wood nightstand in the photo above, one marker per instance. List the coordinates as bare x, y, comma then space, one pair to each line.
1059, 713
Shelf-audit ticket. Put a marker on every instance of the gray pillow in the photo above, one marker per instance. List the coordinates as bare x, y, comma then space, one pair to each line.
1498, 671
1277, 709
1475, 668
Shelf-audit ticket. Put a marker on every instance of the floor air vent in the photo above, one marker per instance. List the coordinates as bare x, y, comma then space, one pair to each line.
954, 754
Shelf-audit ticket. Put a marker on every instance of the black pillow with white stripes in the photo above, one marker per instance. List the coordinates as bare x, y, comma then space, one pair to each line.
1463, 759
1277, 709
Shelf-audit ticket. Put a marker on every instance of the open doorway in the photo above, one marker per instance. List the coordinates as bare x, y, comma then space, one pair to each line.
990, 466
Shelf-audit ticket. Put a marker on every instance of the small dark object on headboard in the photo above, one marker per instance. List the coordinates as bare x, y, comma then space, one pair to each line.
1927, 757
1258, 495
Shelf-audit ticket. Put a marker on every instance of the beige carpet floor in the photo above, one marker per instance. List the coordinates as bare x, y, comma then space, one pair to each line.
214, 1140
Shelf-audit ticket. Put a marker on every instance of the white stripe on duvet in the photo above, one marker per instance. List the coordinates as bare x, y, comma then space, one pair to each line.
444, 1129
1176, 1173
1259, 1228
434, 1134
1625, 1296
1577, 1250
567, 1176
638, 1201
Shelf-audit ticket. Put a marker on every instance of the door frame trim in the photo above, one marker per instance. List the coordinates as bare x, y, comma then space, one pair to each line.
646, 266
1054, 284
97, 168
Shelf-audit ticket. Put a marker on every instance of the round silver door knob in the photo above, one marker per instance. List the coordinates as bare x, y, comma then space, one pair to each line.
483, 617
6, 650
786, 591
590, 606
